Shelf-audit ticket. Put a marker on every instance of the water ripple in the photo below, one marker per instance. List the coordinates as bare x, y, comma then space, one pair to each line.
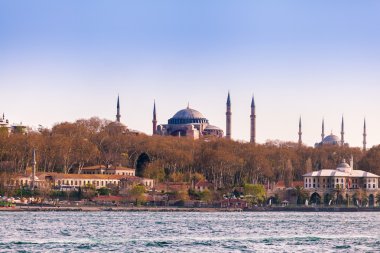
189, 232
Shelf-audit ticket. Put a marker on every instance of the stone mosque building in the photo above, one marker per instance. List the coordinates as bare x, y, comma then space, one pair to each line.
333, 139
193, 124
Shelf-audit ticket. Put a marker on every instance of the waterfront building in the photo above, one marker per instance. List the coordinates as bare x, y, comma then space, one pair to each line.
343, 181
74, 181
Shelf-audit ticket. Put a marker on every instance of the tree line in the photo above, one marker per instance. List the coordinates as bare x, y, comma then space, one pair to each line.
69, 146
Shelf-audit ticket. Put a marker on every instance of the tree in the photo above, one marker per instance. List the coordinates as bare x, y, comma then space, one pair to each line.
103, 191
301, 194
377, 198
254, 193
206, 195
288, 175
137, 193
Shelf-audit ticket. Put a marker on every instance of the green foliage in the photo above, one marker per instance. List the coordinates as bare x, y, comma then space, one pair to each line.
206, 195
301, 194
254, 193
377, 198
24, 192
137, 193
182, 195
103, 191
6, 204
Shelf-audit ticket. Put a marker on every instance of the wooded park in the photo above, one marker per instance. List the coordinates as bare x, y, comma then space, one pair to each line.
68, 147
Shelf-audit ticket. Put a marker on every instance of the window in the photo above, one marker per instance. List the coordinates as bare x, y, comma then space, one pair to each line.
374, 186
337, 180
341, 180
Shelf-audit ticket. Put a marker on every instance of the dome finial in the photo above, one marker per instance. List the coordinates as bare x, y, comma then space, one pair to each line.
188, 105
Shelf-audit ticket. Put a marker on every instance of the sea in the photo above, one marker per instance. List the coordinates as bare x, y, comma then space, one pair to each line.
189, 232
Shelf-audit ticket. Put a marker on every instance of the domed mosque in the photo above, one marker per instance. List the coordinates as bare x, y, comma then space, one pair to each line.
191, 123
332, 139
187, 122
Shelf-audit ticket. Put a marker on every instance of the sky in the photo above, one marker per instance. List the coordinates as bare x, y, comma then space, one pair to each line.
67, 60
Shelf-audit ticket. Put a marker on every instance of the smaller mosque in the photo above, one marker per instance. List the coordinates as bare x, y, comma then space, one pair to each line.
333, 140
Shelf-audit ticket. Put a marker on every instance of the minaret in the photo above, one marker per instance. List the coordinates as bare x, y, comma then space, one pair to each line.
228, 117
300, 132
342, 132
365, 136
154, 121
34, 169
253, 121
323, 129
118, 109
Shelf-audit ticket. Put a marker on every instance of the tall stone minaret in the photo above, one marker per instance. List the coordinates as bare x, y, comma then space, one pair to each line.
118, 116
253, 121
228, 117
342, 133
154, 121
34, 163
365, 136
300, 132
323, 129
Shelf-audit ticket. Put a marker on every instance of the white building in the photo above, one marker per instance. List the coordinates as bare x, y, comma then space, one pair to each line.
344, 177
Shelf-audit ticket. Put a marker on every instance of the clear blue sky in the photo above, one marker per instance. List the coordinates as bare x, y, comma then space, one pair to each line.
64, 60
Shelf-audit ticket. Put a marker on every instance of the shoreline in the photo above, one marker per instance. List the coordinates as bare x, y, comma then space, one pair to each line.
180, 209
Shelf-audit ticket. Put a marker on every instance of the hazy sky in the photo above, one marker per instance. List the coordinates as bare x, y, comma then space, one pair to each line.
65, 60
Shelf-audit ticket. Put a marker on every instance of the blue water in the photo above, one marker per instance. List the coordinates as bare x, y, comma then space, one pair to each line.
189, 232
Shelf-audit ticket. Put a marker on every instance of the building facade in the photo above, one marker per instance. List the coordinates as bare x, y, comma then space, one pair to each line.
344, 181
190, 123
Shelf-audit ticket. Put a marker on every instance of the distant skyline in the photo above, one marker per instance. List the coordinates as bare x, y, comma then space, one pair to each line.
62, 61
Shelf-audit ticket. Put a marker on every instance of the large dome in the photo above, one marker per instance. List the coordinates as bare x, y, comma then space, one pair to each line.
188, 113
188, 116
331, 139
